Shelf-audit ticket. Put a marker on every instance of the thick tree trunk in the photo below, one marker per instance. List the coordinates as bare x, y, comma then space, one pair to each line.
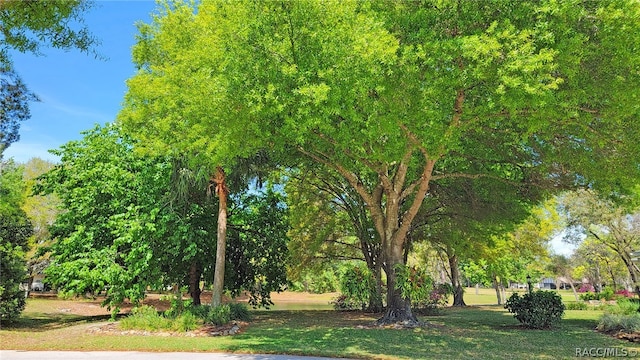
398, 308
218, 277
194, 283
458, 291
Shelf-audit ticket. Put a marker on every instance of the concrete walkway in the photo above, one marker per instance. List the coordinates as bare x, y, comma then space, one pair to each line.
136, 355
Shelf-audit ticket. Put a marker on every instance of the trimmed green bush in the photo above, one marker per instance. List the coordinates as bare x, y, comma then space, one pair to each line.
539, 310
606, 294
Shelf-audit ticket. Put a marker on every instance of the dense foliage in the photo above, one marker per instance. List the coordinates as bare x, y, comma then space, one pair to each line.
539, 309
603, 221
257, 246
133, 221
15, 228
106, 234
397, 97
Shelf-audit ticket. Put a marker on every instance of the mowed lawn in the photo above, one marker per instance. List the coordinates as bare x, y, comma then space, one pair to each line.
477, 332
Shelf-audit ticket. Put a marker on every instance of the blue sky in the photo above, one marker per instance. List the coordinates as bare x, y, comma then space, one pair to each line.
76, 89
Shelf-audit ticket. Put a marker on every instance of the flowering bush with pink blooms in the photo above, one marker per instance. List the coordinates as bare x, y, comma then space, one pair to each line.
586, 288
624, 293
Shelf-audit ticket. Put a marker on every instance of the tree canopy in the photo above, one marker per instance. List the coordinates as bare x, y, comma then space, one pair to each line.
397, 96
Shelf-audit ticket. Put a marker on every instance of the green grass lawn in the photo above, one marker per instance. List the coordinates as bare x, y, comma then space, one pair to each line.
477, 332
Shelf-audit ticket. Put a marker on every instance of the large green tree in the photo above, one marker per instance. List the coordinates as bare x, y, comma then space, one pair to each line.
397, 95
110, 218
596, 263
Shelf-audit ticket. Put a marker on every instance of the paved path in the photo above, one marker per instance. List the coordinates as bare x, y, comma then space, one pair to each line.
136, 355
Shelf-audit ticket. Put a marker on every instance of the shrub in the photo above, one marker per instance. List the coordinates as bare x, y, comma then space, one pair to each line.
12, 273
440, 295
178, 305
413, 283
539, 310
606, 294
623, 306
222, 314
619, 322
145, 318
343, 303
589, 296
586, 288
218, 315
576, 306
624, 293
185, 322
239, 312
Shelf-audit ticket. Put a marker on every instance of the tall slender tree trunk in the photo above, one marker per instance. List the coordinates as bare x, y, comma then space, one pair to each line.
458, 291
633, 272
496, 286
573, 288
218, 278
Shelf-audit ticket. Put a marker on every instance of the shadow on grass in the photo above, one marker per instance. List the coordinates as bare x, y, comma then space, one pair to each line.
579, 323
45, 322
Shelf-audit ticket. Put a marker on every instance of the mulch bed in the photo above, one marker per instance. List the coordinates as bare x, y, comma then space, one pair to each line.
632, 337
